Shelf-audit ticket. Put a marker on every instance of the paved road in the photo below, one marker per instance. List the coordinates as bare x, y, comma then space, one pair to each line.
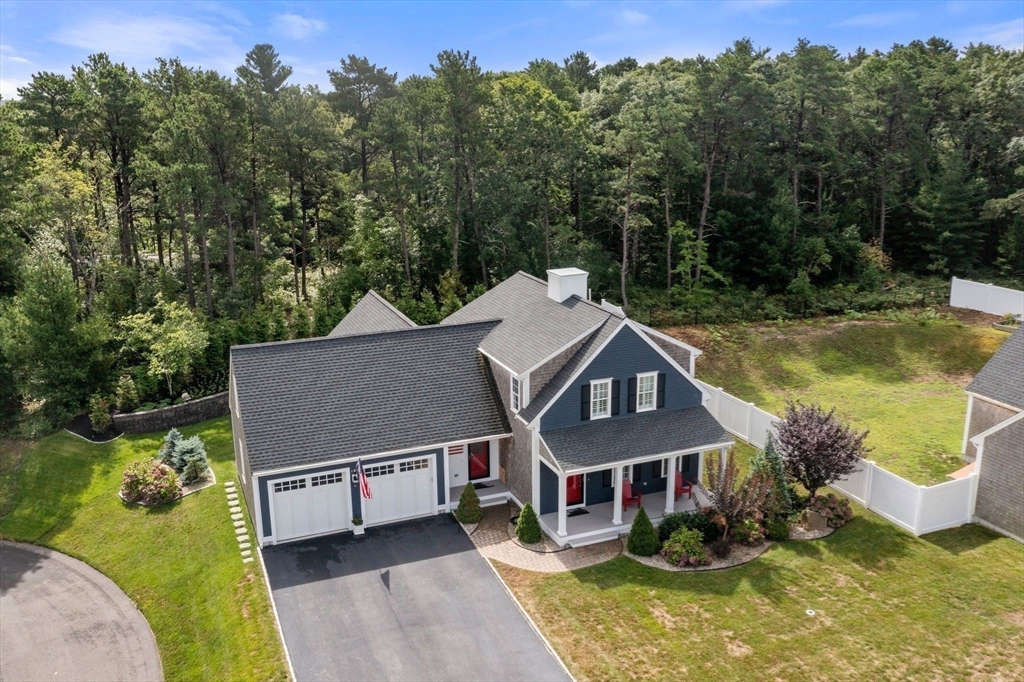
61, 619
408, 601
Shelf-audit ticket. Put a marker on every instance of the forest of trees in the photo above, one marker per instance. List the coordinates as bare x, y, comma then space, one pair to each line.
149, 221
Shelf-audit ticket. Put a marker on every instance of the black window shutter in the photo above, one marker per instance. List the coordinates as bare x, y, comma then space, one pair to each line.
585, 402
637, 474
657, 468
615, 396
606, 478
661, 389
631, 395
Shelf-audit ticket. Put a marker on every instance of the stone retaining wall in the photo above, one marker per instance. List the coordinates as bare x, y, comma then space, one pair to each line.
165, 418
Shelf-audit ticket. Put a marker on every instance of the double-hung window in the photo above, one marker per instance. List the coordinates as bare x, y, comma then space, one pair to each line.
646, 388
600, 398
516, 388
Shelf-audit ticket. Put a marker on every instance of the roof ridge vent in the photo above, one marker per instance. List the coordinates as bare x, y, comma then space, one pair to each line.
564, 283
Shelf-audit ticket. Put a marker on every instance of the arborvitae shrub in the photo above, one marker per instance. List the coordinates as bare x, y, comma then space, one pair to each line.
528, 526
469, 510
643, 540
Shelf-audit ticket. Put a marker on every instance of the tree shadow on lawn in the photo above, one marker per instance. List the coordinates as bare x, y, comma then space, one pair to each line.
961, 539
869, 541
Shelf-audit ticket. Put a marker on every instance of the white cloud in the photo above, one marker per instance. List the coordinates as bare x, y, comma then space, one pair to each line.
6, 48
9, 87
633, 18
876, 20
1008, 34
131, 37
297, 26
16, 60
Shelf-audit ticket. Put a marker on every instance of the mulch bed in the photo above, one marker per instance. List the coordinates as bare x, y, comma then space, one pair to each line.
739, 555
184, 490
82, 427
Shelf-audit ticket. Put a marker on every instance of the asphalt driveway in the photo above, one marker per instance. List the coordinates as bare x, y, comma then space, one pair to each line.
407, 601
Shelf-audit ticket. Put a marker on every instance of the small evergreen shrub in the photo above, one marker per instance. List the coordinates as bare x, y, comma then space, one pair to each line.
721, 548
748, 532
99, 414
469, 510
834, 508
150, 482
684, 548
127, 395
694, 520
191, 461
168, 451
777, 528
528, 526
643, 541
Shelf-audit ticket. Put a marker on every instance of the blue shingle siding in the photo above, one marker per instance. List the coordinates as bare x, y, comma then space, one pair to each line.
690, 467
357, 509
548, 490
625, 356
647, 482
595, 490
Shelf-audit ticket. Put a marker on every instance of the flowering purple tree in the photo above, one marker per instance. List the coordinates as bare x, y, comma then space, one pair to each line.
816, 447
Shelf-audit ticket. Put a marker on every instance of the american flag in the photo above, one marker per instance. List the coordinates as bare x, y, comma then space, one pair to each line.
364, 483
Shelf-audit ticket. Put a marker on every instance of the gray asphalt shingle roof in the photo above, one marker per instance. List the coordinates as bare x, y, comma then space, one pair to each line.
1002, 377
533, 326
330, 398
607, 441
372, 314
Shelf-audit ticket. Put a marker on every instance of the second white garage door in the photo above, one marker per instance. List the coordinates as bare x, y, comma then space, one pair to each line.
400, 490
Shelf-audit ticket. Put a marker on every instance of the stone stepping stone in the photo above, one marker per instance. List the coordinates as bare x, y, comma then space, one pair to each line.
246, 552
243, 545
236, 517
239, 524
246, 559
241, 531
229, 484
234, 506
232, 497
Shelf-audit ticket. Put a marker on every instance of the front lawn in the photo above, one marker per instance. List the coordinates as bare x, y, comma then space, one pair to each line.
180, 564
886, 605
902, 380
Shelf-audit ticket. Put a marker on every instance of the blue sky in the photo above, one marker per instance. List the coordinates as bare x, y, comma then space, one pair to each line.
406, 36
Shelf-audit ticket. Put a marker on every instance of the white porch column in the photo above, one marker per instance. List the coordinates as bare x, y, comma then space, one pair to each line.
721, 460
700, 467
561, 506
670, 484
617, 482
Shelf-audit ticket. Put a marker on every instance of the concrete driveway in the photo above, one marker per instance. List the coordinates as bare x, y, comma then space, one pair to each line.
408, 601
61, 619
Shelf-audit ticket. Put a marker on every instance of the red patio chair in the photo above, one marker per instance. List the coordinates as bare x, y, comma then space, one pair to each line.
683, 486
628, 497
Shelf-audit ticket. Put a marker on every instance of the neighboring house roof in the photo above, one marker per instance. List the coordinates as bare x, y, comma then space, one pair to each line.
595, 443
333, 398
372, 314
1002, 377
562, 376
533, 326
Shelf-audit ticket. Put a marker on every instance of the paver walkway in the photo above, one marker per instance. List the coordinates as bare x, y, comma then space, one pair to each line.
492, 541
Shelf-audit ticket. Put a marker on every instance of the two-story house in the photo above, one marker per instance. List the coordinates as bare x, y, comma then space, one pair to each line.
531, 392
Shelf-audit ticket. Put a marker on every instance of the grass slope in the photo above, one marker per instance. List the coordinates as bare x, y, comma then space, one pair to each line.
902, 380
887, 606
180, 563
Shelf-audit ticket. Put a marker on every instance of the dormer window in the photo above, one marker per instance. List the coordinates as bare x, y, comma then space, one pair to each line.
646, 389
600, 398
516, 393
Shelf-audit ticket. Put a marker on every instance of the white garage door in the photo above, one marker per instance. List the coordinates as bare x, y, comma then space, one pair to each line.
311, 505
400, 490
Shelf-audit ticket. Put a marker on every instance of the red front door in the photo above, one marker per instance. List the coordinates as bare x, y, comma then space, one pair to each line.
479, 460
574, 490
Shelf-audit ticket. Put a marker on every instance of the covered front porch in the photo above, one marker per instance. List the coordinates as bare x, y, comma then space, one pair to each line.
490, 492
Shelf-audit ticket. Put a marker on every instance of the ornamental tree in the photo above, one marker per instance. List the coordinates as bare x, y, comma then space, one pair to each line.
735, 500
173, 339
817, 448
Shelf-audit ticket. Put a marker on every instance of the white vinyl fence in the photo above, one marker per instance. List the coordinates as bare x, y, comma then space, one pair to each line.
917, 508
987, 298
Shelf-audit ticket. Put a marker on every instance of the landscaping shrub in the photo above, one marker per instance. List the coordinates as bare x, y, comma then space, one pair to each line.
768, 463
694, 520
734, 500
150, 482
191, 460
777, 528
684, 548
127, 396
469, 510
835, 509
528, 526
643, 541
749, 532
169, 450
721, 548
99, 414
817, 448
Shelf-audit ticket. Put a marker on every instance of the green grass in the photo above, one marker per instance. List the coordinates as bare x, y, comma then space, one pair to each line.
901, 380
180, 564
887, 605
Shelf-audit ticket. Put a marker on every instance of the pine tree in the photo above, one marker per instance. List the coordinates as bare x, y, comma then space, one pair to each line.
528, 527
643, 541
768, 463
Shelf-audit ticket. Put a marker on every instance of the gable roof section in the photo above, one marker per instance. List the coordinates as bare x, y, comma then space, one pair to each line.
334, 398
1002, 377
533, 327
372, 314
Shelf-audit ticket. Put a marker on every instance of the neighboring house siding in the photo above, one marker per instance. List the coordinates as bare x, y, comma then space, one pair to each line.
519, 473
264, 481
1001, 480
238, 443
677, 353
625, 356
548, 490
542, 375
984, 415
